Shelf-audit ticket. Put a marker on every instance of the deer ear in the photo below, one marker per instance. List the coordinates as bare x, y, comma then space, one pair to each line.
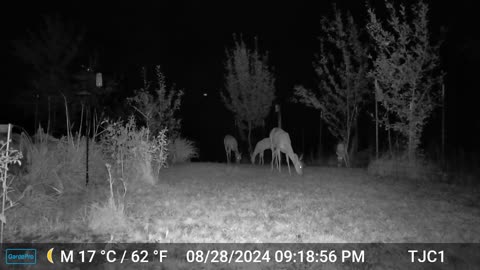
300, 157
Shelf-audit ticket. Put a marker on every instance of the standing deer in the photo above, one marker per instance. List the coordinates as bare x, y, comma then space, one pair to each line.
260, 148
280, 141
231, 145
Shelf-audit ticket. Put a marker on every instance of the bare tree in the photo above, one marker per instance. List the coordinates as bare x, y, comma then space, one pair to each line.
341, 68
406, 67
249, 85
158, 110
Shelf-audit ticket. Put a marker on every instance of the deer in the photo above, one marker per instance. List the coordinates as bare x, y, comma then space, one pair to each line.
231, 145
280, 142
260, 148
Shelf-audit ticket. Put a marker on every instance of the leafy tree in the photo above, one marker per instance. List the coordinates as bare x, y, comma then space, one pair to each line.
249, 85
341, 68
406, 69
50, 51
158, 110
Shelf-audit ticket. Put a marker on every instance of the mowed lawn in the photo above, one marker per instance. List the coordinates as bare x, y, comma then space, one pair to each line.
211, 202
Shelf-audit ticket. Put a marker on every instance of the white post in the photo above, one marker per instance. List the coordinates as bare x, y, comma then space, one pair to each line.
4, 176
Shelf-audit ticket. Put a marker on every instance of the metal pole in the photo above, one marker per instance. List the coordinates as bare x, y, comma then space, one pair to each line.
443, 124
376, 119
86, 143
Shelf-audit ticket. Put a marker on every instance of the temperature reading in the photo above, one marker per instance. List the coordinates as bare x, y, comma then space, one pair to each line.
162, 254
86, 253
140, 256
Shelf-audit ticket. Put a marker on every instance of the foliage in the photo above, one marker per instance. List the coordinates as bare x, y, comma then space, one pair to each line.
249, 85
400, 167
12, 157
50, 51
59, 164
158, 110
109, 217
134, 149
182, 150
104, 99
405, 69
341, 69
7, 157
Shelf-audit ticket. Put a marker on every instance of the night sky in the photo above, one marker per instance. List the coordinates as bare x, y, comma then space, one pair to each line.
188, 40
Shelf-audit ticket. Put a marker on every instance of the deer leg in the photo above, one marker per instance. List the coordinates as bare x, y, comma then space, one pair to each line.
273, 158
279, 160
288, 164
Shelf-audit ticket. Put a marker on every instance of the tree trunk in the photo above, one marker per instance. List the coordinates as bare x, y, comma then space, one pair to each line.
354, 146
54, 113
36, 115
250, 137
411, 143
320, 145
411, 134
279, 111
390, 147
303, 140
241, 132
48, 122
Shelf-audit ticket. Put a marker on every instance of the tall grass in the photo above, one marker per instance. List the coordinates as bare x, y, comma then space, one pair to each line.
59, 164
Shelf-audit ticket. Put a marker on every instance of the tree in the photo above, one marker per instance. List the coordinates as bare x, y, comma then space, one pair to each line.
158, 110
49, 52
406, 69
250, 88
341, 68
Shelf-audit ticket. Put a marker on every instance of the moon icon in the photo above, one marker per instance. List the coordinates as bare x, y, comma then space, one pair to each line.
49, 255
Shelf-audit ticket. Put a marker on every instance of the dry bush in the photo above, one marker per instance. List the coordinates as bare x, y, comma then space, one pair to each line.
182, 150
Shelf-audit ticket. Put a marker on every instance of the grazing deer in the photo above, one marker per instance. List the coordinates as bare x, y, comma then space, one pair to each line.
342, 154
280, 141
231, 145
260, 148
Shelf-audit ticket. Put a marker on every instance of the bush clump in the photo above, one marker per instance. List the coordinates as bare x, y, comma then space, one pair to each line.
182, 150
399, 166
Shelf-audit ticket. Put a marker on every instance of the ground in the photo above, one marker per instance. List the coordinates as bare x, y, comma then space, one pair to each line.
212, 202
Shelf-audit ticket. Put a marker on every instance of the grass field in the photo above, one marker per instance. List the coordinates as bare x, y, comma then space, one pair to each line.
212, 202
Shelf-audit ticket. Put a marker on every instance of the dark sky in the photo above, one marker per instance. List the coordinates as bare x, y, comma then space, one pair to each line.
188, 39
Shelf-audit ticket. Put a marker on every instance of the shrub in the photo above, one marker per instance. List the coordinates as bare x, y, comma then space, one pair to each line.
133, 151
109, 217
399, 166
182, 150
6, 158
